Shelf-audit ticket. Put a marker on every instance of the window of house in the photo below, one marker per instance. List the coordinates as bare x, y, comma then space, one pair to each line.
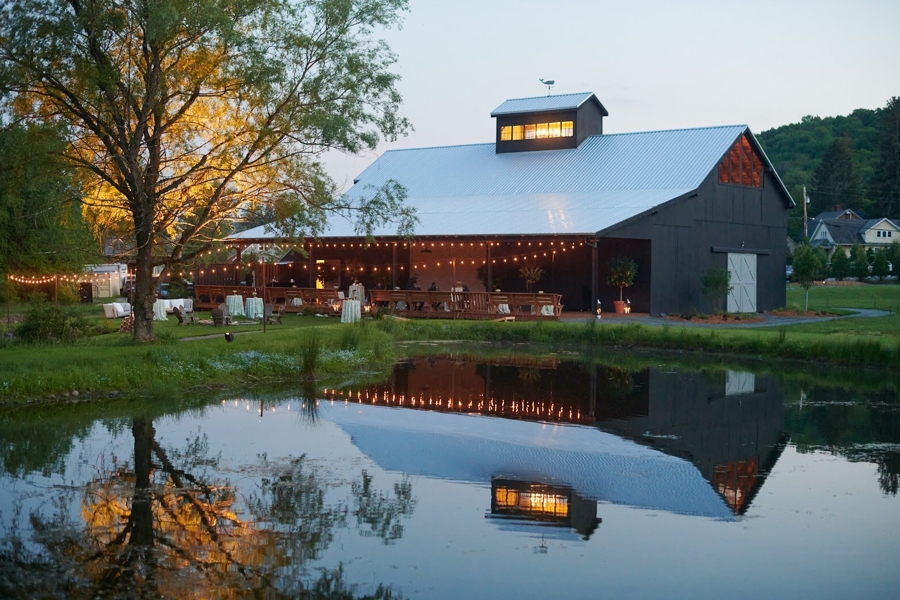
518, 132
505, 133
742, 165
543, 130
530, 132
567, 129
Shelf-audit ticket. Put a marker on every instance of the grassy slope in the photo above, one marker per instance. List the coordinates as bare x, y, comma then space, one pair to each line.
108, 362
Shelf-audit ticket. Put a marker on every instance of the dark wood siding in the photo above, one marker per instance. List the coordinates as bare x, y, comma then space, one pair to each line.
686, 230
589, 122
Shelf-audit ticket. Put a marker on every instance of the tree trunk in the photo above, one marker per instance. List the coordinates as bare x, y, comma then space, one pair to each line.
145, 287
141, 506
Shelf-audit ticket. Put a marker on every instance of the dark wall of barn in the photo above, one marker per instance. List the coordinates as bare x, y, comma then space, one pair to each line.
722, 216
589, 122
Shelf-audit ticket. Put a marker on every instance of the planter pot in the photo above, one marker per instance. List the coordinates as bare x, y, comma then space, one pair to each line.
619, 307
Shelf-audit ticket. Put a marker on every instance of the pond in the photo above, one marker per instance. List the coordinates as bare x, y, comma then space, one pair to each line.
521, 477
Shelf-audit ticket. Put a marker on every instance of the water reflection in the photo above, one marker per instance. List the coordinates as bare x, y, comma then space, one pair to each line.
451, 465
533, 502
169, 523
729, 425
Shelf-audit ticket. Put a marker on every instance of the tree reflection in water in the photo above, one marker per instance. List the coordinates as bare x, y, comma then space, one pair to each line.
168, 528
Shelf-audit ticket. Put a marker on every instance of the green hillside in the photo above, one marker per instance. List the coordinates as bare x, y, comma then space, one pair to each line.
844, 162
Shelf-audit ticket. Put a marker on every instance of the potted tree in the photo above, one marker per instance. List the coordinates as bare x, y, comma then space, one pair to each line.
621, 272
531, 273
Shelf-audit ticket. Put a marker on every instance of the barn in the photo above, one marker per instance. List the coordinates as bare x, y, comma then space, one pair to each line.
552, 200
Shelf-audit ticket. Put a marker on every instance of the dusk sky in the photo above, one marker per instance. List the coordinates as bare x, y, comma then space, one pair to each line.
653, 64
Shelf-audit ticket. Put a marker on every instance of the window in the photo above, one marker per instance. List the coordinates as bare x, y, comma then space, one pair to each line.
741, 166
536, 131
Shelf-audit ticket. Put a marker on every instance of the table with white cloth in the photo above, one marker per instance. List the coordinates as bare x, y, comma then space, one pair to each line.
503, 309
350, 311
296, 301
159, 311
170, 304
235, 305
547, 310
253, 308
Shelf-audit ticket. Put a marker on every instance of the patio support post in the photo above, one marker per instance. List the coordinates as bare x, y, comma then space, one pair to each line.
394, 268
312, 267
594, 297
490, 271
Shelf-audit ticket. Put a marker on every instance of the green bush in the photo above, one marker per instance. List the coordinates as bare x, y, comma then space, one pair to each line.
49, 323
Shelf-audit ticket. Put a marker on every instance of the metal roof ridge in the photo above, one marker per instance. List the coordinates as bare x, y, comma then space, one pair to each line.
549, 96
443, 146
439, 147
744, 126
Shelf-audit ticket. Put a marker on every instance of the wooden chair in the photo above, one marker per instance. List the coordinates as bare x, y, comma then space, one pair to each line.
183, 318
226, 314
272, 314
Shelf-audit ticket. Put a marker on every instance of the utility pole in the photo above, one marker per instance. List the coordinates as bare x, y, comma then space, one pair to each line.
805, 215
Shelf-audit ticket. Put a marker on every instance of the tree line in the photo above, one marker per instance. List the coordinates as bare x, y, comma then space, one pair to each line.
848, 161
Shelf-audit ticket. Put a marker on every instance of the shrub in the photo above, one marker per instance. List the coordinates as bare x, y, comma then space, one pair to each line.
49, 323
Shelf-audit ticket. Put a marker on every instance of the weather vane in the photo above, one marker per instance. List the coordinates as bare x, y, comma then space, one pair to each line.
549, 83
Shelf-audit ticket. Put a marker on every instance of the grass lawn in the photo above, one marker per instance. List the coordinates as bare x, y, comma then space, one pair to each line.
110, 360
304, 349
883, 296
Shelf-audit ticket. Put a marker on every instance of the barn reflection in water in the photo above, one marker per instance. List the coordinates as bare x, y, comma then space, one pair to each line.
727, 424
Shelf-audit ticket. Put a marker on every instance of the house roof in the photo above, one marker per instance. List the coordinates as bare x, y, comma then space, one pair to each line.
836, 214
472, 190
847, 231
546, 104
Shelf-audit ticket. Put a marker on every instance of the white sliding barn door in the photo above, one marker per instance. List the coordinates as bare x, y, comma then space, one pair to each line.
742, 297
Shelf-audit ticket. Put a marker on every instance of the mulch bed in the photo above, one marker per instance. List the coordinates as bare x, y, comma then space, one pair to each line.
718, 319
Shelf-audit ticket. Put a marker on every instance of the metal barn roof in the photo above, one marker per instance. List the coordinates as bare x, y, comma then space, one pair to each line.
545, 103
472, 190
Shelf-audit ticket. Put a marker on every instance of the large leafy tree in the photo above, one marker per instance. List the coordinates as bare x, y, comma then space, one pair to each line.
835, 184
187, 112
41, 229
888, 201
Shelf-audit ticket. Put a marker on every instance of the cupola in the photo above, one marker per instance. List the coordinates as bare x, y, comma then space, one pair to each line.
548, 122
